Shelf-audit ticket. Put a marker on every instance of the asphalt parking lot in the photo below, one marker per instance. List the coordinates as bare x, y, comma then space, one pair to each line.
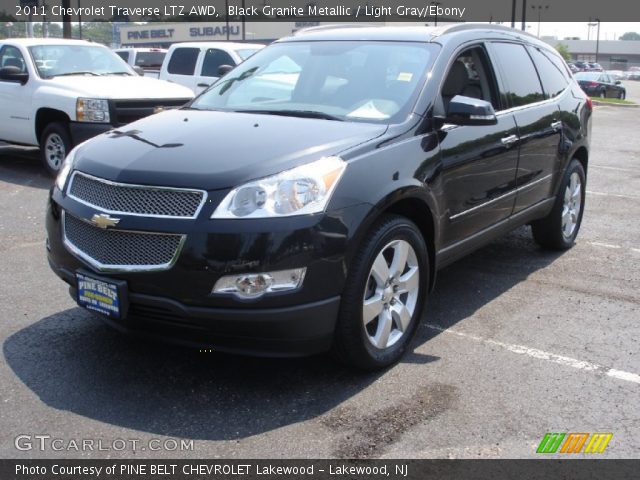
516, 342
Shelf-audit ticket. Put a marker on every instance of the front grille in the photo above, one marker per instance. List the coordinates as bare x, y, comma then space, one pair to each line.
120, 249
127, 111
135, 199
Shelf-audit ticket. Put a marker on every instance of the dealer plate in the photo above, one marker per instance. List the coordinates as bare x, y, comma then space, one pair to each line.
99, 295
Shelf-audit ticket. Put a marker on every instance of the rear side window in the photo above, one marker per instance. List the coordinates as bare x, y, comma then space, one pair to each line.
150, 59
123, 55
520, 76
213, 59
553, 81
183, 61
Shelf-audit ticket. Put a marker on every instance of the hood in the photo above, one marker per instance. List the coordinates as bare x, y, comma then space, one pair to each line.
121, 87
214, 150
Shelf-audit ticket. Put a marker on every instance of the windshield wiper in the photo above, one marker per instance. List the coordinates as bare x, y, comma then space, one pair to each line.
74, 73
117, 73
296, 113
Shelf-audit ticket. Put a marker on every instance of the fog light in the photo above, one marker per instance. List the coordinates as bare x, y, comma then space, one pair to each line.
253, 285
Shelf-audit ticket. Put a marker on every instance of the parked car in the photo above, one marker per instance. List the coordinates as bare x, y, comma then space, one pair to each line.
149, 60
594, 67
196, 65
599, 84
616, 74
57, 93
573, 67
263, 223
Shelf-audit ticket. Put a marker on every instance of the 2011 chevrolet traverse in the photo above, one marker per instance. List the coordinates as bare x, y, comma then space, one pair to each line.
305, 202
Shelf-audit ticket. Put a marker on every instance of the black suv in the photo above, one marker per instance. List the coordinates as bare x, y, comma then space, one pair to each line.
305, 202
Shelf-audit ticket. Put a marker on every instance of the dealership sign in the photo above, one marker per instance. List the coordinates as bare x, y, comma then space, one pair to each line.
180, 32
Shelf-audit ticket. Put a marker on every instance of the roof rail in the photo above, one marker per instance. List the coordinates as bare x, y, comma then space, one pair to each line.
461, 27
333, 26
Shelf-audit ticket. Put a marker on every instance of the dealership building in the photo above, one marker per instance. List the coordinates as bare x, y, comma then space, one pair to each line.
612, 54
162, 35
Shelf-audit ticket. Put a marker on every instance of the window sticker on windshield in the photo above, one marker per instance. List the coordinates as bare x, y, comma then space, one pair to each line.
368, 110
405, 76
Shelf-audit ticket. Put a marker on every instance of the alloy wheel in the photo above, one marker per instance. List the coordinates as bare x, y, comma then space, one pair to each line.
572, 205
54, 151
391, 294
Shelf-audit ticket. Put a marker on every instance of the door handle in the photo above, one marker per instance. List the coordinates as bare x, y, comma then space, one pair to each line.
510, 140
557, 126
205, 85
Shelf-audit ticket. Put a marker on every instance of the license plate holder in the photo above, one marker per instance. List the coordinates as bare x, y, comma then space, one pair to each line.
102, 295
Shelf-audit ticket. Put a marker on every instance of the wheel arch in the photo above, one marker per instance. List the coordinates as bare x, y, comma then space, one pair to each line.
582, 155
45, 116
412, 205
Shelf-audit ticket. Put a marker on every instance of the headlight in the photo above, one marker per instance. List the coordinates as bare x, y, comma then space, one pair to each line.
65, 169
92, 110
302, 190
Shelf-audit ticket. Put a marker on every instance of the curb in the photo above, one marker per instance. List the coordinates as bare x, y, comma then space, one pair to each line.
607, 104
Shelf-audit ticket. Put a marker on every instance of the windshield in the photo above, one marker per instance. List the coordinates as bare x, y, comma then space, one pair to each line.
591, 76
342, 80
245, 53
56, 60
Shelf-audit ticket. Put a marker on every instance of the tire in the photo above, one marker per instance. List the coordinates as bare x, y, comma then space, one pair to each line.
55, 144
603, 94
559, 229
389, 300
622, 95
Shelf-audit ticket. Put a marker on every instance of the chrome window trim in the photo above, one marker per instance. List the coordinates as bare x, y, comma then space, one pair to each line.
501, 197
136, 186
108, 268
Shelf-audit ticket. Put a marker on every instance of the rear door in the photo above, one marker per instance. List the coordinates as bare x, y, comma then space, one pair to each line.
212, 60
537, 116
181, 66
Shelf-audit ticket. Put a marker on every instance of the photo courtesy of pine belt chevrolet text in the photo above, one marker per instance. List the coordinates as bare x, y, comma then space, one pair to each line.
305, 201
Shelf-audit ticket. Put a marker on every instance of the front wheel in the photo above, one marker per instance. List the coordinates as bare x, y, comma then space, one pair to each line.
55, 144
559, 229
603, 94
383, 298
622, 95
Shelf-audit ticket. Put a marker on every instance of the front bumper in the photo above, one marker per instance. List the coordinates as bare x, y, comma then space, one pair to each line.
177, 304
81, 131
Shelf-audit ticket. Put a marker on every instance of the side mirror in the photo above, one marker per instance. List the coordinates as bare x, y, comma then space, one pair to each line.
470, 111
618, 82
224, 69
13, 74
139, 70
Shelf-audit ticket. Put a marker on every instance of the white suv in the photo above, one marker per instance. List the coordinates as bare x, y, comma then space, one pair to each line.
196, 65
57, 93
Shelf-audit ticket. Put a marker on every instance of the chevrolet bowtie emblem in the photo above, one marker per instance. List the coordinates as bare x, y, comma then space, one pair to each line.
103, 220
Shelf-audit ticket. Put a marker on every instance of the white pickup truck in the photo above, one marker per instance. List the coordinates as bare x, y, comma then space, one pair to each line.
57, 93
197, 64
149, 60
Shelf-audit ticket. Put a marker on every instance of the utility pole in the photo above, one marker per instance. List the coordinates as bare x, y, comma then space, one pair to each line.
524, 15
513, 13
598, 40
79, 20
66, 19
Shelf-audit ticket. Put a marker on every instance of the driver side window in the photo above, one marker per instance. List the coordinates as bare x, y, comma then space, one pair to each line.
470, 75
11, 57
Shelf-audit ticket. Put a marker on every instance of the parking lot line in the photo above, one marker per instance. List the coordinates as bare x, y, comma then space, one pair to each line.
542, 355
618, 195
619, 169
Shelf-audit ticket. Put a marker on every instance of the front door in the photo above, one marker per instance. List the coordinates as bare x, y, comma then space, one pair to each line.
479, 162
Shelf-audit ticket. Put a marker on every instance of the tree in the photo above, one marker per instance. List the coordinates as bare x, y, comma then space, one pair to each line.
630, 36
563, 50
